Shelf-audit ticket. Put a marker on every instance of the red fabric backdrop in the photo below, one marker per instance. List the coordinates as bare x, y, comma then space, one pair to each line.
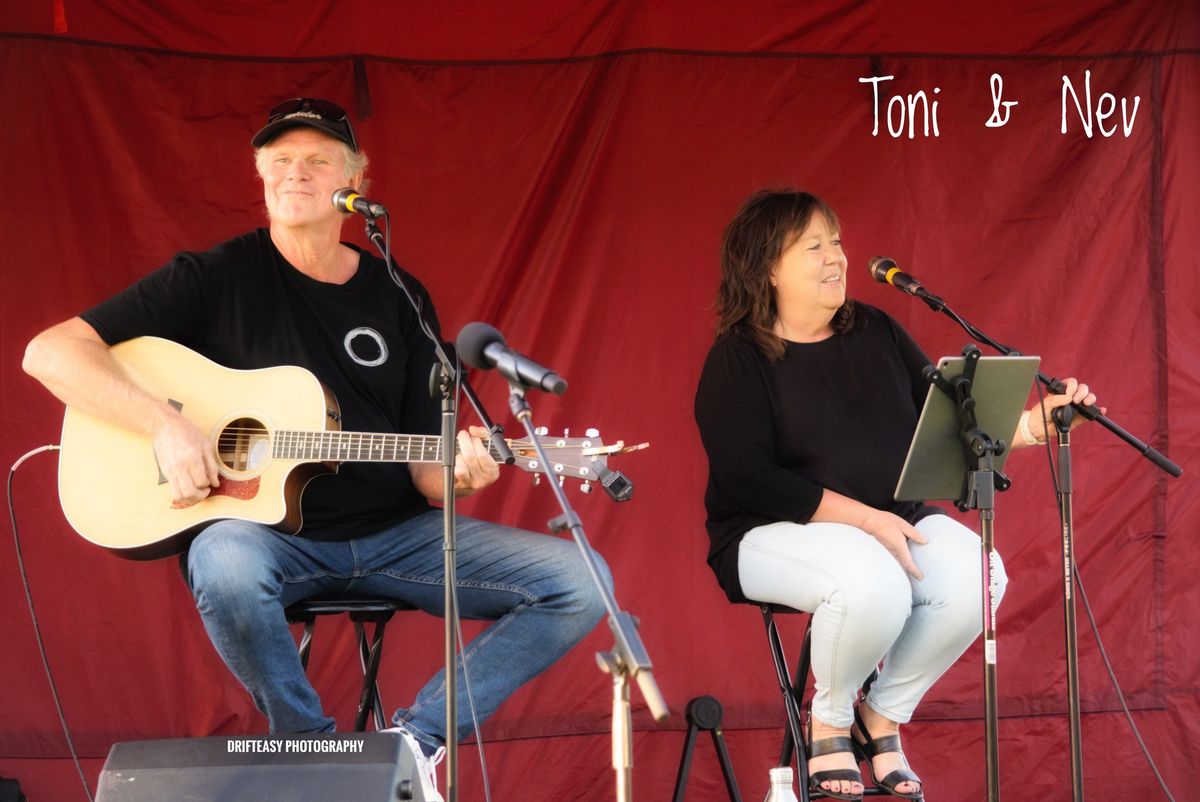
565, 174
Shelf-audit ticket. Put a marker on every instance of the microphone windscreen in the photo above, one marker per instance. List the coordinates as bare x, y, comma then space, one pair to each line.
473, 340
340, 197
879, 267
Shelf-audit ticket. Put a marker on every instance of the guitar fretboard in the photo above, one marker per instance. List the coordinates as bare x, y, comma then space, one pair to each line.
360, 447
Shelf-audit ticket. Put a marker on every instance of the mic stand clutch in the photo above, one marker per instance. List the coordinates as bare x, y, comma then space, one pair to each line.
629, 657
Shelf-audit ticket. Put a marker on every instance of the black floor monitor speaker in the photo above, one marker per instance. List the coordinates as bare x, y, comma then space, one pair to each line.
365, 767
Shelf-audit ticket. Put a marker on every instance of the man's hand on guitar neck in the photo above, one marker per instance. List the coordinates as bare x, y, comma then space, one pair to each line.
185, 457
474, 468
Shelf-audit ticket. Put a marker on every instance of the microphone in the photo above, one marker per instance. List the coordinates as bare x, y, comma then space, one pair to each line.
348, 201
482, 347
886, 271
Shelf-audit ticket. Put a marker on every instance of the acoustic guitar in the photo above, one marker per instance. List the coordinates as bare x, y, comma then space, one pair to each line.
272, 430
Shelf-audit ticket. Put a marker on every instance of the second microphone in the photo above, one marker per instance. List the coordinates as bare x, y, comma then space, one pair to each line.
482, 347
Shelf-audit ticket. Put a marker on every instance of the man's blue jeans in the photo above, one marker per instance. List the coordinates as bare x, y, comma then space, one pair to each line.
536, 589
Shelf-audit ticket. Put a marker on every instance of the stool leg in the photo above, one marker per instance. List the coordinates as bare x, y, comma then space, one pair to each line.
802, 668
306, 641
803, 664
794, 732
369, 701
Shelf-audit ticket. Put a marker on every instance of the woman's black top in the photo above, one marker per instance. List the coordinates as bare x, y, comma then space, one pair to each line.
836, 414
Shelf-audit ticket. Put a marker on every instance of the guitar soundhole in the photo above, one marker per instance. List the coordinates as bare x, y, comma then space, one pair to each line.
244, 446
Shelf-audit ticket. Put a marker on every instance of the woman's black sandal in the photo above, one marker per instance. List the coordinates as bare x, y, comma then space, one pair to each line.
877, 746
830, 746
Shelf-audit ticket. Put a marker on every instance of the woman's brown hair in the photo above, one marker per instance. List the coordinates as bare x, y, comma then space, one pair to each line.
751, 246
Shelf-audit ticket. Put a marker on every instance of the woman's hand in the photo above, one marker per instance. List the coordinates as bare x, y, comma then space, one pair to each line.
894, 533
1037, 422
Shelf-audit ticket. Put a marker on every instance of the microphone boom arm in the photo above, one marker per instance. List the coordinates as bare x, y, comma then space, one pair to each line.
495, 430
1089, 411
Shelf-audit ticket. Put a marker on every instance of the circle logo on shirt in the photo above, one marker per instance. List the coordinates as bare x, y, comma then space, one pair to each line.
366, 347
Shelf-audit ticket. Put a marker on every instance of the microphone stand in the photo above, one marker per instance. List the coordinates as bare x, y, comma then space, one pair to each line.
444, 378
979, 493
629, 656
1064, 490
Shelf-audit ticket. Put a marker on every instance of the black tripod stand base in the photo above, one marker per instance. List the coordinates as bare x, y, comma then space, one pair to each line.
704, 713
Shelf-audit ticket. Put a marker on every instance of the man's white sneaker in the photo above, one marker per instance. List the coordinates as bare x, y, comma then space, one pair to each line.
426, 766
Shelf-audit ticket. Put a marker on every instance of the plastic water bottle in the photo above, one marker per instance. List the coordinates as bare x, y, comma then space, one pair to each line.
781, 786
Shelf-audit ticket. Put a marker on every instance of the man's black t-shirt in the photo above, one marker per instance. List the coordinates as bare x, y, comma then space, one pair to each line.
244, 306
836, 414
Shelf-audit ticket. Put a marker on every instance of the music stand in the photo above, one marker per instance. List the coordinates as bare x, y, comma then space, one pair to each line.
952, 456
937, 457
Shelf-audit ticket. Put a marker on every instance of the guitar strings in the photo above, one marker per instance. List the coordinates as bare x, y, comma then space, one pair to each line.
232, 434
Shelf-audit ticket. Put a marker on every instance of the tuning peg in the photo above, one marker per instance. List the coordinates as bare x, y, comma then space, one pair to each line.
560, 481
566, 432
592, 433
541, 431
586, 487
537, 479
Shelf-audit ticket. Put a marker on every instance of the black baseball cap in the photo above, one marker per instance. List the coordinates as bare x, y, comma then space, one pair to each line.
328, 118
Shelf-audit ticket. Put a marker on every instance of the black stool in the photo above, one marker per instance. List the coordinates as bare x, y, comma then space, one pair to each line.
361, 611
793, 697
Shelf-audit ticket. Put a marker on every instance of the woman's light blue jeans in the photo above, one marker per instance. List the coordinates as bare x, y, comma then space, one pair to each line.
536, 589
866, 609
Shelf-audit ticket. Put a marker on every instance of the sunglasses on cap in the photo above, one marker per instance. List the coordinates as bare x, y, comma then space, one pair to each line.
306, 106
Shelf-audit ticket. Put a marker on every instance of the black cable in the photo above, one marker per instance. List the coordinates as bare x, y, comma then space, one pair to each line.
414, 300
1087, 608
37, 630
462, 649
1162, 783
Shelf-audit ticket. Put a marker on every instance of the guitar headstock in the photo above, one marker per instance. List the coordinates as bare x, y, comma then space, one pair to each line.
583, 458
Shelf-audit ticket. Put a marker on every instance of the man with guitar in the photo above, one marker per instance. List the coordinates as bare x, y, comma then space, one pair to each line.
294, 294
